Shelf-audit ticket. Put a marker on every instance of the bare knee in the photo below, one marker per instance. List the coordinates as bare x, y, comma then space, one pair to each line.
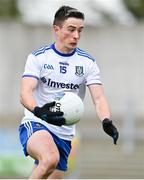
48, 164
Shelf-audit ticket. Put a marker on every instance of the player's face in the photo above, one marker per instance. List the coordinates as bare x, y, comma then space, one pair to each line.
68, 34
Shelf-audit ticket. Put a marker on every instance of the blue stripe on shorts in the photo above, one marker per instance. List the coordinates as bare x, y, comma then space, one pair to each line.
64, 146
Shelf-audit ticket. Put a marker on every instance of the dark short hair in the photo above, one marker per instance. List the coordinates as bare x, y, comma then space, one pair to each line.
64, 12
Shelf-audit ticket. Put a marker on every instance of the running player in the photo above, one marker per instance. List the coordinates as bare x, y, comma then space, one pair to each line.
49, 72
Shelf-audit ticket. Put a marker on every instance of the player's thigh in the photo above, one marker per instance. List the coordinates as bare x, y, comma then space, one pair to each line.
40, 144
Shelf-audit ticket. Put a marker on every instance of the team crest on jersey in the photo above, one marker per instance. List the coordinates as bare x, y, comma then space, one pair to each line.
79, 71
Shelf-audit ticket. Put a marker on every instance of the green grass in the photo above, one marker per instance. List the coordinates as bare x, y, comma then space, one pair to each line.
15, 166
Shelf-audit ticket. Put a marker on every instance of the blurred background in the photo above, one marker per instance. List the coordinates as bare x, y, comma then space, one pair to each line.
114, 35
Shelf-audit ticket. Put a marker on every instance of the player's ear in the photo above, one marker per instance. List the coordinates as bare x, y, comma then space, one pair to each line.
56, 28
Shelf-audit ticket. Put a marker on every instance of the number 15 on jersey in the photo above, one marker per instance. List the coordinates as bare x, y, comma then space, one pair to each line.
63, 69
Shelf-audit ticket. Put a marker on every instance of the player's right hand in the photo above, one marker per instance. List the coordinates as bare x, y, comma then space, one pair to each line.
44, 113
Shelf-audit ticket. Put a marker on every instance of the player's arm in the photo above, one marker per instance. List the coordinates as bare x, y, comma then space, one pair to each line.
100, 101
28, 86
27, 99
102, 110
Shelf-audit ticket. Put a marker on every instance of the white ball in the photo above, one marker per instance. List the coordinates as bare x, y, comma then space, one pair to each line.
72, 107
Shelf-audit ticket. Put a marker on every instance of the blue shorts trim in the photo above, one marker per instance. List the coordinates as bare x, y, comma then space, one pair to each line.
64, 146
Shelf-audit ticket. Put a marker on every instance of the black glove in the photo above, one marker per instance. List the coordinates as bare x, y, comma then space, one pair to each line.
44, 113
110, 129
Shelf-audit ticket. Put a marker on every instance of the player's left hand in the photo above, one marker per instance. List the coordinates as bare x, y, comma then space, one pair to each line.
110, 129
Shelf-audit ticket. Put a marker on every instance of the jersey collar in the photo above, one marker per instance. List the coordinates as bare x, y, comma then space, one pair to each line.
62, 54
